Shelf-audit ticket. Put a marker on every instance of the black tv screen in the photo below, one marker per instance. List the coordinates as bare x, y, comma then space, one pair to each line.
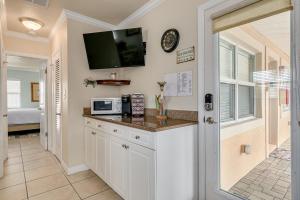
111, 49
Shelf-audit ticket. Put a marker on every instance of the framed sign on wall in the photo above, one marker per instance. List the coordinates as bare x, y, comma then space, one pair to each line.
35, 92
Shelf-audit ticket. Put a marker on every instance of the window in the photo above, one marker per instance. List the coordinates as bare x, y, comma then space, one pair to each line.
13, 94
237, 89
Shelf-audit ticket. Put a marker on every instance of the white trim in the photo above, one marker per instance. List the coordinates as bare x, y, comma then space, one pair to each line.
295, 105
139, 13
68, 14
61, 19
75, 169
26, 36
88, 20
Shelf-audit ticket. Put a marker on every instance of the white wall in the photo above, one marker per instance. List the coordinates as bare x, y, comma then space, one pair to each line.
79, 96
178, 14
26, 78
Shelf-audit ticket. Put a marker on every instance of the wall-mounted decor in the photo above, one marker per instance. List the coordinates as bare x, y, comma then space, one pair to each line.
170, 40
186, 55
179, 84
35, 92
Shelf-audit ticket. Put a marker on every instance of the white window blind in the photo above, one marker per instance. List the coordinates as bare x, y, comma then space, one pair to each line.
246, 101
227, 102
244, 66
255, 11
13, 94
226, 60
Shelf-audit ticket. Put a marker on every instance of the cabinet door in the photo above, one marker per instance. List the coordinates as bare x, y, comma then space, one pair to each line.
141, 173
90, 148
119, 166
101, 153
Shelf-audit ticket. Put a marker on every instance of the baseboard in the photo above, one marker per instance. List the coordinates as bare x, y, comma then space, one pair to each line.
74, 169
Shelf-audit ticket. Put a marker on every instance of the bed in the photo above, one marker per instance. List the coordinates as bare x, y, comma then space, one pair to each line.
23, 119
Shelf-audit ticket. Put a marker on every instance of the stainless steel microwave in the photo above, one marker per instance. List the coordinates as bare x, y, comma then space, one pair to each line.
106, 106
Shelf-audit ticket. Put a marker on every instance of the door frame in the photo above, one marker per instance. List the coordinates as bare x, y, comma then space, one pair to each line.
48, 91
207, 51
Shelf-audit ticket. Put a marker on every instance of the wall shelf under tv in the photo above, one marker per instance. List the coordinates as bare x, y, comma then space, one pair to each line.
112, 82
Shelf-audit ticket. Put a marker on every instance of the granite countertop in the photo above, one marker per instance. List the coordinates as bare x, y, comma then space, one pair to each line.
147, 123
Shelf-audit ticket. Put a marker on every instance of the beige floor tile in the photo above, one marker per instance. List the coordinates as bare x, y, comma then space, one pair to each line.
81, 176
11, 180
13, 161
31, 146
11, 169
14, 154
17, 192
32, 151
12, 150
64, 193
36, 156
39, 163
90, 186
107, 195
46, 184
42, 172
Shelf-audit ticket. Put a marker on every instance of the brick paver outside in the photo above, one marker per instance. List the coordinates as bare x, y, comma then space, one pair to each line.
270, 180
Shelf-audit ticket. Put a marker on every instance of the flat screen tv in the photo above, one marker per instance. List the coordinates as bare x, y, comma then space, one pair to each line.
111, 49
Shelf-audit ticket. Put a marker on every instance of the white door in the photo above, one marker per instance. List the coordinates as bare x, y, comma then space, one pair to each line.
141, 177
101, 141
118, 166
90, 148
57, 104
42, 108
3, 114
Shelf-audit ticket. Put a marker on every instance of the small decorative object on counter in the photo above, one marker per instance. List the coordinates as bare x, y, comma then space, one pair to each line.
88, 82
113, 76
160, 101
138, 104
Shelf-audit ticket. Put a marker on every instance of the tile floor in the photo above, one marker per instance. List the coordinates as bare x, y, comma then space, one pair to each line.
30, 173
270, 180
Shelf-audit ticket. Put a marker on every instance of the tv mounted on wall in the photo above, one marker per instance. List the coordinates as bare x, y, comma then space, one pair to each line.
114, 49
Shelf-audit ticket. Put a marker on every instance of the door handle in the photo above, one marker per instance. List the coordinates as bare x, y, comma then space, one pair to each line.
5, 115
211, 120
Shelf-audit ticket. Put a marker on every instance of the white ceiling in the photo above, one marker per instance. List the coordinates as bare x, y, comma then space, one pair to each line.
277, 29
111, 11
25, 63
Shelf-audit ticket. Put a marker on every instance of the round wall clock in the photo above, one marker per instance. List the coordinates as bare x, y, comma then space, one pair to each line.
170, 40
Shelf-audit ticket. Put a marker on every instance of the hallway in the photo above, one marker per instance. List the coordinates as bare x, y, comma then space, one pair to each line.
270, 180
30, 173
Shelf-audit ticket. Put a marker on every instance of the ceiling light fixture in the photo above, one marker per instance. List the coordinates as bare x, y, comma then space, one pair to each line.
31, 24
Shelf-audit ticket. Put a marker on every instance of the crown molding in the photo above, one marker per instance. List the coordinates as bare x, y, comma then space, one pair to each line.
26, 36
89, 20
139, 13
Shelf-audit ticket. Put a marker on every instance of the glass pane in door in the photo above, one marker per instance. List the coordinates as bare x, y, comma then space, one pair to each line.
255, 148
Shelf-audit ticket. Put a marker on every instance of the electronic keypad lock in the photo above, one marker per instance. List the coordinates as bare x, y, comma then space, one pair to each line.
209, 102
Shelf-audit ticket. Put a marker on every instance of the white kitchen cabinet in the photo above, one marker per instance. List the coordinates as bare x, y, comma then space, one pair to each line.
141, 169
101, 154
118, 163
143, 165
90, 148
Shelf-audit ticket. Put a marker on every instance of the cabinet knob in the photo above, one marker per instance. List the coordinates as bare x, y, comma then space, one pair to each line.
115, 130
94, 133
88, 122
99, 126
137, 137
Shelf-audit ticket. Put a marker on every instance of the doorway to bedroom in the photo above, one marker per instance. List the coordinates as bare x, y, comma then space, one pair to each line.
26, 98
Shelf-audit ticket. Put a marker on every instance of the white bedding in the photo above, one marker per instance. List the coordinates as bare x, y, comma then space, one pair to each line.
23, 116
